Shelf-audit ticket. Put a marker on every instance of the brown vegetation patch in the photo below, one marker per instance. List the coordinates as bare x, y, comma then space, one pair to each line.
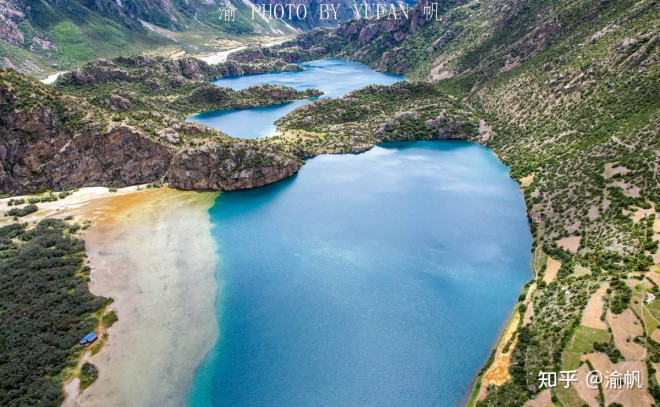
529, 314
571, 243
543, 399
611, 171
628, 397
594, 309
629, 190
593, 213
551, 270
527, 181
625, 328
654, 276
587, 394
639, 213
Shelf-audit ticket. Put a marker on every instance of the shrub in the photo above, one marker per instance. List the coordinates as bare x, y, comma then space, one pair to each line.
109, 318
24, 211
88, 375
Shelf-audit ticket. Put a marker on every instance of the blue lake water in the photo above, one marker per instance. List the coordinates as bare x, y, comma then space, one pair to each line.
334, 77
377, 279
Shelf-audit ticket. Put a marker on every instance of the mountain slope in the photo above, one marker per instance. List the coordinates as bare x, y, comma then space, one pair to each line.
567, 93
44, 35
123, 123
64, 33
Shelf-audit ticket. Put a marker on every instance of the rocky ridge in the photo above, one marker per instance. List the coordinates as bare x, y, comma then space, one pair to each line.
53, 140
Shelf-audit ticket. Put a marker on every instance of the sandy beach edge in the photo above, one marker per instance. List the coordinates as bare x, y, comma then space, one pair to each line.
153, 253
151, 250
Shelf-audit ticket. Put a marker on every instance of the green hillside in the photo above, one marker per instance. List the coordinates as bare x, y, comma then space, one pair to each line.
60, 35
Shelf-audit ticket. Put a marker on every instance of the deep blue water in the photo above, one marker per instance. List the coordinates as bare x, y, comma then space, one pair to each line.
334, 77
377, 279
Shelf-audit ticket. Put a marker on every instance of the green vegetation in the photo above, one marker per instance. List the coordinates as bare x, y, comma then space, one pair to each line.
584, 341
152, 94
64, 36
15, 202
621, 296
403, 111
34, 200
610, 350
20, 212
88, 375
45, 309
109, 319
567, 397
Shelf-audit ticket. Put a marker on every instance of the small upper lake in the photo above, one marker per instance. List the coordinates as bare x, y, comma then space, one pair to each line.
376, 279
333, 77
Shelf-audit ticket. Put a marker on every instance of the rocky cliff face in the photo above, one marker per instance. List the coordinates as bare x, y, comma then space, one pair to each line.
41, 149
11, 14
53, 141
177, 71
230, 168
119, 157
380, 43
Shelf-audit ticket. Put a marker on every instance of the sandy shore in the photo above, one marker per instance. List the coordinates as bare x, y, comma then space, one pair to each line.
153, 253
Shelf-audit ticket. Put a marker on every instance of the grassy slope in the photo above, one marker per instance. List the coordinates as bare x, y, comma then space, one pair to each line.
79, 32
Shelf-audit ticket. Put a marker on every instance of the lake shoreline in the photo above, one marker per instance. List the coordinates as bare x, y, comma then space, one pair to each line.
150, 250
241, 269
167, 312
96, 204
96, 255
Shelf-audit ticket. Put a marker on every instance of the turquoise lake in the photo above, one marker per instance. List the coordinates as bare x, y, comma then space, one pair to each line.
376, 279
334, 77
